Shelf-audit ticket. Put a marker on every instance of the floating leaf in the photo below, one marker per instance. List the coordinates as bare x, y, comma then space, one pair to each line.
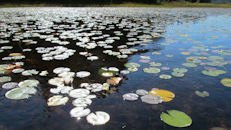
202, 94
99, 118
176, 118
151, 70
81, 102
164, 94
226, 82
60, 70
57, 100
217, 63
30, 72
189, 64
141, 92
79, 112
83, 74
215, 58
10, 85
178, 74
151, 99
130, 96
213, 72
131, 65
57, 81
132, 69
28, 83
155, 64
180, 70
165, 76
4, 79
79, 93
108, 72
20, 93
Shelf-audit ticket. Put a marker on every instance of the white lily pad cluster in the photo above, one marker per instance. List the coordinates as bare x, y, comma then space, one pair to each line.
55, 53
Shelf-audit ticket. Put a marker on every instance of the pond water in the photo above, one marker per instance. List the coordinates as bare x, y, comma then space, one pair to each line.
158, 40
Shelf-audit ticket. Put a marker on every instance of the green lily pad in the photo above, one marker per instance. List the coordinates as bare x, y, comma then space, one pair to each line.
213, 73
155, 64
151, 70
226, 82
165, 76
202, 94
180, 70
20, 93
178, 74
189, 65
176, 118
193, 59
215, 58
133, 69
132, 65
217, 63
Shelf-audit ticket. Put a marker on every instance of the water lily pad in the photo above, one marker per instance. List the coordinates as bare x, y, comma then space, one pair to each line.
19, 70
133, 69
155, 64
189, 64
79, 112
28, 83
213, 72
202, 94
83, 74
57, 100
30, 72
215, 58
132, 65
130, 96
99, 118
57, 81
151, 99
177, 74
164, 94
79, 93
81, 102
217, 63
180, 70
176, 118
165, 76
141, 92
4, 79
10, 85
60, 70
20, 93
151, 70
43, 73
108, 72
226, 82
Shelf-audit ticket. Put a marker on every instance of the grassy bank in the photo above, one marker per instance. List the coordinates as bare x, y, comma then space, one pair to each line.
166, 5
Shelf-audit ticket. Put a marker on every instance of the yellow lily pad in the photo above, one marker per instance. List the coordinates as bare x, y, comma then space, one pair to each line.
226, 82
164, 94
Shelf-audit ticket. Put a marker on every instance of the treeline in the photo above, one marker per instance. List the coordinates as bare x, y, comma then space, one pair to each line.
87, 2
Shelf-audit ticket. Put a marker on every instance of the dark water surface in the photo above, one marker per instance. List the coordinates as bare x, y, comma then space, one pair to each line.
201, 32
